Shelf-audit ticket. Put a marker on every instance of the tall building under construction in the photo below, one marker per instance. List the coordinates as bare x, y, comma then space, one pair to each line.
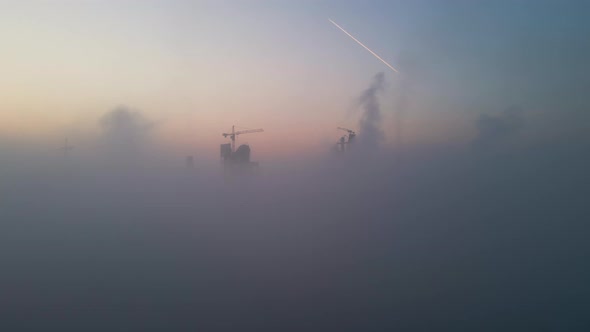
237, 160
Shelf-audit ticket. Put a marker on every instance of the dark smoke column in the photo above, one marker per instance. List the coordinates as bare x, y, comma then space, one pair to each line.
371, 136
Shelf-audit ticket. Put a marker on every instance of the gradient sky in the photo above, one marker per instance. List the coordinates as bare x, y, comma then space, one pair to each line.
197, 67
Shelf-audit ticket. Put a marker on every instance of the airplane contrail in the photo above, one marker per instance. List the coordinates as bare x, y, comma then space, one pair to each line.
366, 48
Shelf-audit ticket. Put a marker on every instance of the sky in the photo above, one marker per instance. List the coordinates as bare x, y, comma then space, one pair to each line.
460, 205
199, 67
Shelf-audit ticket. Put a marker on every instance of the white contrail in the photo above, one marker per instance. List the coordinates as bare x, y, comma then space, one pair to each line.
366, 48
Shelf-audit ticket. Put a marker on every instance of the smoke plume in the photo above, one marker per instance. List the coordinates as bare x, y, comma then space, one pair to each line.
125, 132
371, 134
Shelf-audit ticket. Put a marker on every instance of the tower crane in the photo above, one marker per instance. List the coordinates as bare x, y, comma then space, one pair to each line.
235, 133
351, 135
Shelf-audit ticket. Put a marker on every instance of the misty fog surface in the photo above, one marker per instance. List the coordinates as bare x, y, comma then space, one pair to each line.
449, 238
